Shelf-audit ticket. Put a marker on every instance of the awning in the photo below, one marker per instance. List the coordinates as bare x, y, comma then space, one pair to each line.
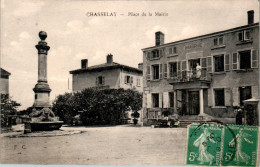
253, 100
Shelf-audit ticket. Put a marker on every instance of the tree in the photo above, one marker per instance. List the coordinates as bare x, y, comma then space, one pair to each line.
64, 107
8, 109
98, 106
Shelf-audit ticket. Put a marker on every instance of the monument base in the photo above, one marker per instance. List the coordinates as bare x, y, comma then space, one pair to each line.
42, 126
45, 126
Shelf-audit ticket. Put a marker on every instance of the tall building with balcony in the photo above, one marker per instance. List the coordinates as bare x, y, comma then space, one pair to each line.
203, 77
110, 75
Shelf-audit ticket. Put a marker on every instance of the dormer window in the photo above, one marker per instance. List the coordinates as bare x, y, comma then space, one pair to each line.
244, 35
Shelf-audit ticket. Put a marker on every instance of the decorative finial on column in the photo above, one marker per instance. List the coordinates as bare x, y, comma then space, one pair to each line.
42, 35
42, 46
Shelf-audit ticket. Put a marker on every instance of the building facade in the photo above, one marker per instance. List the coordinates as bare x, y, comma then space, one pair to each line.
110, 75
4, 82
201, 77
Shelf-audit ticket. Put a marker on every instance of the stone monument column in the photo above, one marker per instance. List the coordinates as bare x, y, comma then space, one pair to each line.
42, 89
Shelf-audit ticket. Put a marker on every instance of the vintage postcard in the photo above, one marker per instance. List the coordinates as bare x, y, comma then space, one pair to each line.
157, 83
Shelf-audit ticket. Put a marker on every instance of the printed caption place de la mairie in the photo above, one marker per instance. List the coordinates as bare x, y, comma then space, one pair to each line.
114, 14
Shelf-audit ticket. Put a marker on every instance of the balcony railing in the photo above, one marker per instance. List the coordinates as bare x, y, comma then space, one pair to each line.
190, 75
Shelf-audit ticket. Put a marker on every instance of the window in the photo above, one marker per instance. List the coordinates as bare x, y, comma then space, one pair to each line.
219, 97
155, 53
172, 50
128, 79
171, 99
100, 80
173, 69
155, 69
245, 59
155, 98
218, 41
219, 63
244, 35
245, 93
193, 64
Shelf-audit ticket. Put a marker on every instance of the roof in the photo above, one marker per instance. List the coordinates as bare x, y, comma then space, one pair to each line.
4, 72
106, 66
205, 36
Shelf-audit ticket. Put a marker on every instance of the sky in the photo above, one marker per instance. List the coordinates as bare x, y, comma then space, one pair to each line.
73, 36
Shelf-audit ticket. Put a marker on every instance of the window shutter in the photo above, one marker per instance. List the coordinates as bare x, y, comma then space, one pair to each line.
209, 63
183, 66
227, 68
235, 97
227, 97
178, 69
103, 80
160, 75
247, 35
210, 97
170, 51
255, 92
131, 80
148, 73
96, 80
165, 99
165, 70
234, 61
160, 100
240, 36
160, 53
148, 55
203, 62
149, 100
254, 59
125, 79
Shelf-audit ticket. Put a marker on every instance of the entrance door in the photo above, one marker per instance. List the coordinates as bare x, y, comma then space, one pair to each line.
194, 103
245, 93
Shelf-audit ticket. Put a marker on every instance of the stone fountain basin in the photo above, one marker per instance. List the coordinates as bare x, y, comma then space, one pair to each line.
46, 126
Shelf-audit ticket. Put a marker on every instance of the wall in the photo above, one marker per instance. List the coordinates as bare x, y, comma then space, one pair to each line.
88, 79
4, 86
114, 78
134, 84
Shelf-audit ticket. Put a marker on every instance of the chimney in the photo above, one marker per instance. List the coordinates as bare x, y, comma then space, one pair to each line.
250, 17
159, 38
84, 63
140, 66
109, 58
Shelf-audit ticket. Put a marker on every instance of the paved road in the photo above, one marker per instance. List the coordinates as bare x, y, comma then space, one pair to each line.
100, 146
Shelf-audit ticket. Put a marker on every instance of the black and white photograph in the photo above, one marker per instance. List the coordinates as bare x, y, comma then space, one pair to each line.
124, 82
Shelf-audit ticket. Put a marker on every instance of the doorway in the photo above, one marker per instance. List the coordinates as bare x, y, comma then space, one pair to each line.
194, 103
245, 93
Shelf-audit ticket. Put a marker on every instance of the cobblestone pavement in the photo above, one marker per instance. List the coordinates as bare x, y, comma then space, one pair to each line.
119, 145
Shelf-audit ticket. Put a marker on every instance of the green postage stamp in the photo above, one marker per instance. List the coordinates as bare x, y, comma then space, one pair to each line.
222, 145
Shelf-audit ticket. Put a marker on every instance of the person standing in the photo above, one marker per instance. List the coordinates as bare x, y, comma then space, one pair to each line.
198, 71
239, 117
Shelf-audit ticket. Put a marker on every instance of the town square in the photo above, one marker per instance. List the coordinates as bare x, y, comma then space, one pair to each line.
157, 83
